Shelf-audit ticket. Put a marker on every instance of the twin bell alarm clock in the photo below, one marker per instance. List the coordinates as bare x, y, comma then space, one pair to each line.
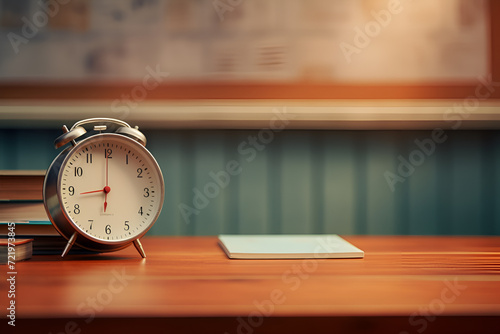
105, 191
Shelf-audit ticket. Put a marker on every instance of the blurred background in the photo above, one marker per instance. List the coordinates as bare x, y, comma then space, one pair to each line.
322, 102
241, 40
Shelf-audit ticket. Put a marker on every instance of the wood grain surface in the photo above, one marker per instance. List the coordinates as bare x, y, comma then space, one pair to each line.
404, 284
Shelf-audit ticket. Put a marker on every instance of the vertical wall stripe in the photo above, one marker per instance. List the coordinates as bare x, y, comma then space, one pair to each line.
274, 170
318, 182
3, 149
37, 149
169, 157
360, 172
253, 192
10, 144
489, 190
187, 177
27, 149
404, 148
46, 148
380, 157
466, 196
339, 183
296, 181
444, 185
231, 195
23, 140
422, 185
209, 191
496, 184
162, 157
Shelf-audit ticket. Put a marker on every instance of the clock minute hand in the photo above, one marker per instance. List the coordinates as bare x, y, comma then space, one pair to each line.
106, 188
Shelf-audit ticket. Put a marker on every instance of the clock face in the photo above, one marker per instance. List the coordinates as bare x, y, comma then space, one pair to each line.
111, 188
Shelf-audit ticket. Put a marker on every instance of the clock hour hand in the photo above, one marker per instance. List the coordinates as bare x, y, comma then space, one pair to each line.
105, 200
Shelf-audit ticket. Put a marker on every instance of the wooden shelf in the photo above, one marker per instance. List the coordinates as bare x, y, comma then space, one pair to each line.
260, 114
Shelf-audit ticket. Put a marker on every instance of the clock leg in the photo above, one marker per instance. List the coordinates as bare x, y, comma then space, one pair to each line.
70, 243
139, 248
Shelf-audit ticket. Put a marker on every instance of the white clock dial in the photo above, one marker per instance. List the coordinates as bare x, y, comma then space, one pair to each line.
111, 188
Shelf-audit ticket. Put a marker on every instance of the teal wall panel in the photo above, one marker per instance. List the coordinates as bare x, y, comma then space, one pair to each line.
275, 166
4, 149
423, 197
309, 181
172, 165
209, 159
337, 180
444, 185
465, 192
296, 181
27, 149
380, 205
233, 167
492, 182
253, 198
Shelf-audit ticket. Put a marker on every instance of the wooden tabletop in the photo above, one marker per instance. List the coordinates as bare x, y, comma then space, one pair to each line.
403, 285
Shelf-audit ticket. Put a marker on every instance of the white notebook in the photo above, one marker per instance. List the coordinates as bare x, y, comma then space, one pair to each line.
321, 246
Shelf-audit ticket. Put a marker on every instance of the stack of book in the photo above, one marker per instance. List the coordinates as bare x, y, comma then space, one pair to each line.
21, 203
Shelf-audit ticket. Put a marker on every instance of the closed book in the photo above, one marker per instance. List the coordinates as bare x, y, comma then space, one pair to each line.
22, 211
12, 251
319, 246
29, 228
21, 184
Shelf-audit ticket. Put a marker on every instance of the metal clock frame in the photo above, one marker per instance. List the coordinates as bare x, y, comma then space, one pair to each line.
52, 187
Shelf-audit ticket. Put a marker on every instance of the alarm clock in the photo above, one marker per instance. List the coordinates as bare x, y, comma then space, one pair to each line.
104, 192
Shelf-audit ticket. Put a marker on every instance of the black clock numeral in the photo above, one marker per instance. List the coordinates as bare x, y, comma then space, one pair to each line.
140, 211
108, 229
139, 173
76, 209
89, 158
71, 190
126, 159
127, 226
107, 153
91, 222
146, 192
78, 171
